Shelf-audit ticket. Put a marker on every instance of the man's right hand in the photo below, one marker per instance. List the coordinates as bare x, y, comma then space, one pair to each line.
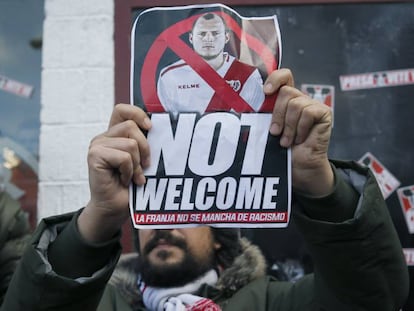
115, 158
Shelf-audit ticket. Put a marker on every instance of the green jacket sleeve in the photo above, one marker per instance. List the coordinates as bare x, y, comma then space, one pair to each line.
14, 235
359, 264
73, 285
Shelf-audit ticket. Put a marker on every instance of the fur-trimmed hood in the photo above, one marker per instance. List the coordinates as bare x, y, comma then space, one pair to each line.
248, 266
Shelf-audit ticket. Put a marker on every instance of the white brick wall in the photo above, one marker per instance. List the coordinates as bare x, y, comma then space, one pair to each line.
77, 97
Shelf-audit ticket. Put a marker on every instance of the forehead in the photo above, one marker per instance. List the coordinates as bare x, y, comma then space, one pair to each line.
214, 23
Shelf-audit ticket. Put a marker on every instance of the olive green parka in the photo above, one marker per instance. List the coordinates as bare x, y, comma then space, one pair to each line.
358, 262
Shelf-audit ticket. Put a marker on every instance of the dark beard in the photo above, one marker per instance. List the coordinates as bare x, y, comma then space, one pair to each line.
175, 275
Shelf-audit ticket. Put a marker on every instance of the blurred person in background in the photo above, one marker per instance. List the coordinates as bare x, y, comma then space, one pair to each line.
14, 234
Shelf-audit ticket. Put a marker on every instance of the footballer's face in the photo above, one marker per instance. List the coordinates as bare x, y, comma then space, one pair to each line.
208, 37
177, 256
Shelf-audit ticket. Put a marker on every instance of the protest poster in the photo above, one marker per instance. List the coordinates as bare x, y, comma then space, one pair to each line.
198, 72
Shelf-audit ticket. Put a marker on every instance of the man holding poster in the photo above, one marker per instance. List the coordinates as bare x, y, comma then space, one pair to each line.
359, 264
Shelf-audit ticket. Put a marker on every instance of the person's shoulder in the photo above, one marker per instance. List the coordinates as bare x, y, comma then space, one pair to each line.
176, 67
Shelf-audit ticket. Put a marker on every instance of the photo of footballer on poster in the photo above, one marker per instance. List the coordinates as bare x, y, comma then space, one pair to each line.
198, 71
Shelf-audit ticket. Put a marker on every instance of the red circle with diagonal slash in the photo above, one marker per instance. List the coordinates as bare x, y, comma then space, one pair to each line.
170, 38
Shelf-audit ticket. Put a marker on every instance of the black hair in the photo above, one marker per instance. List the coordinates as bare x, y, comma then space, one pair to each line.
208, 16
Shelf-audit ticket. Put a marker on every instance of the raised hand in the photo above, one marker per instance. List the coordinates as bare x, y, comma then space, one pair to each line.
115, 158
304, 125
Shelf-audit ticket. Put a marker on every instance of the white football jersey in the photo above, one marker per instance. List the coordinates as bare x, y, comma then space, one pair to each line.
181, 89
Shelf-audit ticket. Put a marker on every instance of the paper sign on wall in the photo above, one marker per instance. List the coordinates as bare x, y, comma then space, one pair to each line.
15, 87
377, 79
386, 181
406, 198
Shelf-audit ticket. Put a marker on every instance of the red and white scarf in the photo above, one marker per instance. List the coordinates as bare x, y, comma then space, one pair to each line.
180, 298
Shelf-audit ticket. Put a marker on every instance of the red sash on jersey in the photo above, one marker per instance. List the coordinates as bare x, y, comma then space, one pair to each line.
221, 100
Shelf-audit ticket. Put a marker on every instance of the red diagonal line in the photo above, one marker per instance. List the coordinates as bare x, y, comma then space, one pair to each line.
212, 78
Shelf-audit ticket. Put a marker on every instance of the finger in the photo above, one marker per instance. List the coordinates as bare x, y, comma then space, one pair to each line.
125, 144
123, 112
102, 158
286, 93
315, 113
277, 79
292, 117
129, 129
128, 137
